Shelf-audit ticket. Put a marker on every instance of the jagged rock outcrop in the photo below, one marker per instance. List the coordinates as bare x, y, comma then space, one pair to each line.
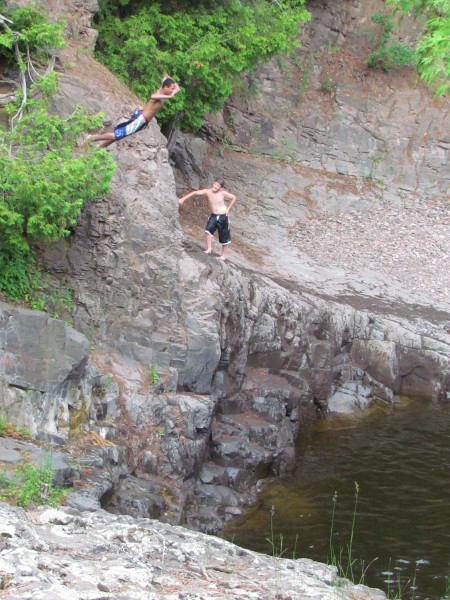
282, 358
42, 362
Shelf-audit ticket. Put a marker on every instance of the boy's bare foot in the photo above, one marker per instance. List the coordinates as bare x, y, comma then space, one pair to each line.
221, 257
207, 251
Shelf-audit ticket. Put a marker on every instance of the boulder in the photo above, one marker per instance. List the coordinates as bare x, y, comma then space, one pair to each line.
42, 363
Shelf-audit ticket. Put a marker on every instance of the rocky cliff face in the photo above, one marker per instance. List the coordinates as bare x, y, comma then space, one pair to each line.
319, 149
324, 112
42, 362
244, 352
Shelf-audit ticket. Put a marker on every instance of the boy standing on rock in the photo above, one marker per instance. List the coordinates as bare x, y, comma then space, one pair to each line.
140, 118
218, 218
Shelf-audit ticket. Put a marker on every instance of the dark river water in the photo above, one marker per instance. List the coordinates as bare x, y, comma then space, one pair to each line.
399, 534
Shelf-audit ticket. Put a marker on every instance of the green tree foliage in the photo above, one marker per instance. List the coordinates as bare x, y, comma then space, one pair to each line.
44, 183
44, 178
204, 45
433, 48
32, 33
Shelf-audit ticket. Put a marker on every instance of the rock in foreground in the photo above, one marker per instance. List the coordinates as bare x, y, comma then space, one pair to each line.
65, 554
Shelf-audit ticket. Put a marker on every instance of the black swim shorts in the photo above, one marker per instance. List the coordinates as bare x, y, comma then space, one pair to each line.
221, 223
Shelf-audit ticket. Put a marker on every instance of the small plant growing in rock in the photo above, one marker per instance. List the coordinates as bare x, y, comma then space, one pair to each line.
31, 485
106, 383
277, 547
36, 302
154, 377
327, 86
160, 432
8, 429
447, 587
304, 81
224, 143
389, 54
53, 302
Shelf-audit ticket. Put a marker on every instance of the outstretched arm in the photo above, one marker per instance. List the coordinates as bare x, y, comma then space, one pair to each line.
191, 194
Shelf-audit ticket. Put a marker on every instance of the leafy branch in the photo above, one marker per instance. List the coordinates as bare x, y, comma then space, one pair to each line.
45, 178
204, 45
433, 48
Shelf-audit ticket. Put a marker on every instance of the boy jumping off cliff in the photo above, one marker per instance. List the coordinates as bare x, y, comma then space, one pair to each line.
218, 218
141, 117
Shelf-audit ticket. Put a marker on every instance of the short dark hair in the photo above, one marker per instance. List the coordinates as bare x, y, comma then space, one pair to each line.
168, 81
220, 181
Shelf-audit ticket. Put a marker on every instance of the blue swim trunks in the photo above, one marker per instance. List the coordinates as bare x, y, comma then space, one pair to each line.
135, 124
222, 223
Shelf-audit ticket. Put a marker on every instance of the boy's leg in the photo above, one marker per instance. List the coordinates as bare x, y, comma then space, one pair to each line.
107, 143
136, 123
107, 138
208, 239
224, 252
224, 235
210, 228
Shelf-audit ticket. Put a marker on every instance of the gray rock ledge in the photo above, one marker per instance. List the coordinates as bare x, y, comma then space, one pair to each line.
62, 553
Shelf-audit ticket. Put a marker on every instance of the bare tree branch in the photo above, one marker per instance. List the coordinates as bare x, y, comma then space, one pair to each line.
4, 19
26, 66
22, 68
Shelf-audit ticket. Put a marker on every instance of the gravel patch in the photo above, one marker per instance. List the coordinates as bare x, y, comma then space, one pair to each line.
408, 242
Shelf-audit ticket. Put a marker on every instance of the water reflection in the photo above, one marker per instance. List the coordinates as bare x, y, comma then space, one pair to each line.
400, 458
